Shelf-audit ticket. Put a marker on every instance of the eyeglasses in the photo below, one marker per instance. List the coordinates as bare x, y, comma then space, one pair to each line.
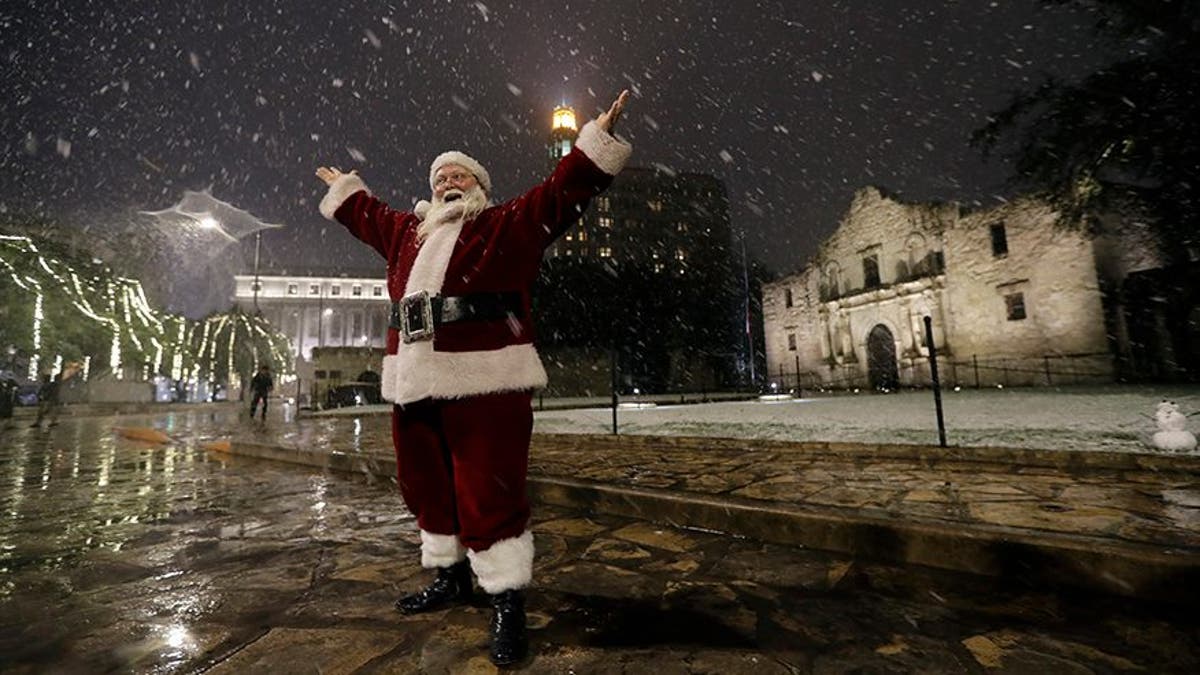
457, 178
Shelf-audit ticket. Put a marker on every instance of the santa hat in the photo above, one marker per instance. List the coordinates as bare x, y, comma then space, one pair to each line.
466, 162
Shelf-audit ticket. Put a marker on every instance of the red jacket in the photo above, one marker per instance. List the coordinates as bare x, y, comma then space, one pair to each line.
497, 251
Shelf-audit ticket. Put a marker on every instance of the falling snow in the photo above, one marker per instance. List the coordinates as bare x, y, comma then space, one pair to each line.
111, 111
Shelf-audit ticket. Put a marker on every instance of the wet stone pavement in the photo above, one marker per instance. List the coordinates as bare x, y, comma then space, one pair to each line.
122, 556
1121, 523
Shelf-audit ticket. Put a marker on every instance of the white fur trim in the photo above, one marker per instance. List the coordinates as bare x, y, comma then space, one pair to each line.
465, 161
422, 208
429, 269
339, 191
416, 371
441, 550
507, 565
607, 151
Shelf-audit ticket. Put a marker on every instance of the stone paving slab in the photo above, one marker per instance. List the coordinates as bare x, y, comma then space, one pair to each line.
124, 556
1123, 523
234, 565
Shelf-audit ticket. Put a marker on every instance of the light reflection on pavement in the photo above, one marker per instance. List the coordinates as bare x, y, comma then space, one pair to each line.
118, 555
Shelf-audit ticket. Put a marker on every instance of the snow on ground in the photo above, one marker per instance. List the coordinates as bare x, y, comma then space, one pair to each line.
1114, 418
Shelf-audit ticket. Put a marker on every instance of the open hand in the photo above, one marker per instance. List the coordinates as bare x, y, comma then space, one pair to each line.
331, 173
608, 119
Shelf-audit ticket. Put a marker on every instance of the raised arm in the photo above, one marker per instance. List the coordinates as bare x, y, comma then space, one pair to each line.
350, 203
587, 170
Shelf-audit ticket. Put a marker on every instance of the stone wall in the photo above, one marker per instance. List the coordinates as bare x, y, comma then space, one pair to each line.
890, 264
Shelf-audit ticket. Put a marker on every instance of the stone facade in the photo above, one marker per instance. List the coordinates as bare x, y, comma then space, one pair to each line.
1012, 299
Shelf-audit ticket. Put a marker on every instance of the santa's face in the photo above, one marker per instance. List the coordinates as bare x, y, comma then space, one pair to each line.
451, 182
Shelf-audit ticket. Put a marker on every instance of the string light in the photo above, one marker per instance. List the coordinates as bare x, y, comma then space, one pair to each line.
119, 306
37, 336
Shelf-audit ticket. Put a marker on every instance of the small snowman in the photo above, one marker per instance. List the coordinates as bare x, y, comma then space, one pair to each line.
1172, 431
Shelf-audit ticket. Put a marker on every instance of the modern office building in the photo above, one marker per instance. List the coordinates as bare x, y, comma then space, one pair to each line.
671, 227
672, 222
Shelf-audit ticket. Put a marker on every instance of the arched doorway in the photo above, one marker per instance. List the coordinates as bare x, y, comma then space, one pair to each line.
881, 359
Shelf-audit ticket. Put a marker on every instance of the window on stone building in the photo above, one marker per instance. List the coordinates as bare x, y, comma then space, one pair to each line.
356, 290
377, 291
604, 252
292, 289
791, 342
655, 205
603, 204
605, 222
1015, 304
314, 289
787, 297
999, 241
938, 262
871, 271
335, 290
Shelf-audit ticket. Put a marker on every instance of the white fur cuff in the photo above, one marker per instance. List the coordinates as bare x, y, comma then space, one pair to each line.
507, 565
440, 550
416, 371
607, 151
341, 190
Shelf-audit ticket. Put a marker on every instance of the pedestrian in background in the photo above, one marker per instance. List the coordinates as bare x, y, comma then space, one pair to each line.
50, 395
261, 385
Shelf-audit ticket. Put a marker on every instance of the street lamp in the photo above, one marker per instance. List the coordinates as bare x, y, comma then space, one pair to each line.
257, 283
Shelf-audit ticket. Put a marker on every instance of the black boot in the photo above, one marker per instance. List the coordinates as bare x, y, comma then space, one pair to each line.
452, 585
509, 643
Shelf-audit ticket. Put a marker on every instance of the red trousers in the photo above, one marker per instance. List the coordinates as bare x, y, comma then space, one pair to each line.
461, 465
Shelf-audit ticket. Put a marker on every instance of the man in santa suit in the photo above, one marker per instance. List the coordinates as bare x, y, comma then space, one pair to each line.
461, 366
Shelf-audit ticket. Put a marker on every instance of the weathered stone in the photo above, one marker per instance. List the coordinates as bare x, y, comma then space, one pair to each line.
570, 527
609, 549
325, 650
658, 537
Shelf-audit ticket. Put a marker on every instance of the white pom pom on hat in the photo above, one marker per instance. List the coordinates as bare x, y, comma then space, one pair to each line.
465, 161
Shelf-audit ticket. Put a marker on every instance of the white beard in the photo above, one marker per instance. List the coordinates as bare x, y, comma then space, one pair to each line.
442, 212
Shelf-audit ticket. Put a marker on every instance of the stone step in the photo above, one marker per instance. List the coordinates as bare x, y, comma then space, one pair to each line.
1107, 564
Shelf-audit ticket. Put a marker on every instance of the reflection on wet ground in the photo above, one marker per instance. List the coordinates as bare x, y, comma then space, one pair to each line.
123, 556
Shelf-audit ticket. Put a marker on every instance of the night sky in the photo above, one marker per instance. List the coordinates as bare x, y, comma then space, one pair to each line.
111, 108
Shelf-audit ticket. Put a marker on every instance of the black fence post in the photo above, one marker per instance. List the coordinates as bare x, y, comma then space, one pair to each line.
799, 388
937, 387
975, 361
1046, 365
612, 367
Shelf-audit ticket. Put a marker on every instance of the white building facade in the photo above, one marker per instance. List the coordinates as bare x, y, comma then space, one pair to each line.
316, 311
1012, 298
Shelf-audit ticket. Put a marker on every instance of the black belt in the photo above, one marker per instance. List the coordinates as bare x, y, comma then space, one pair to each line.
418, 314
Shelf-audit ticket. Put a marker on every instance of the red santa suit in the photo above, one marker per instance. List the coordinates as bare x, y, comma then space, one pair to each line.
462, 417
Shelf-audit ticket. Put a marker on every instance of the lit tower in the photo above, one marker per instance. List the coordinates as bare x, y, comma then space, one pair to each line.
563, 132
